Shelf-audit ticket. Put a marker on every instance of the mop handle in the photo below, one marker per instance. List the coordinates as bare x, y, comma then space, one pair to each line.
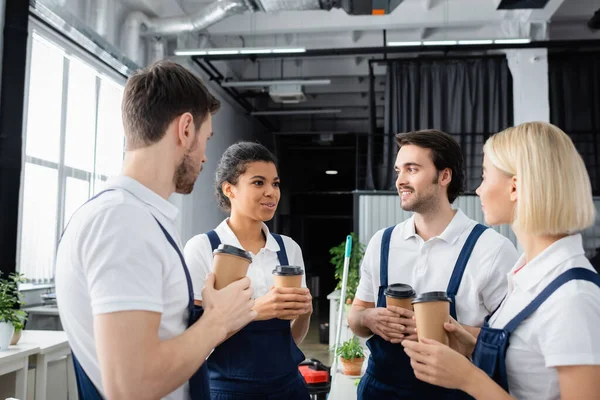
338, 332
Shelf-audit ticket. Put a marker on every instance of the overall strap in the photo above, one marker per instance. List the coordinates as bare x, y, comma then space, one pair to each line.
461, 265
281, 254
185, 268
384, 256
572, 274
214, 239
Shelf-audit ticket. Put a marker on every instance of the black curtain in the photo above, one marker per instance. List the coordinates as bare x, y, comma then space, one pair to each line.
469, 98
574, 86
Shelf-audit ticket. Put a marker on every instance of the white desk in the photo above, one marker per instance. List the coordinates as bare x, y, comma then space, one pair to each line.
16, 359
53, 346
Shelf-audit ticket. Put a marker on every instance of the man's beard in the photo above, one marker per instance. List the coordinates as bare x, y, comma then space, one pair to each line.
422, 204
185, 176
425, 203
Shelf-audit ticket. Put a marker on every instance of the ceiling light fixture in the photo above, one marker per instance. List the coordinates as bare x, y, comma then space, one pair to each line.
303, 82
331, 172
472, 42
223, 52
440, 43
399, 44
238, 50
512, 41
468, 42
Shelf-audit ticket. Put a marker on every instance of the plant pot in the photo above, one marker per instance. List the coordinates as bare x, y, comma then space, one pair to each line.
16, 337
352, 367
6, 332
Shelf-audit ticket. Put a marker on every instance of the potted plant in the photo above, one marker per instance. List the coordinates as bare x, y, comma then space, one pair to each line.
352, 357
337, 260
12, 318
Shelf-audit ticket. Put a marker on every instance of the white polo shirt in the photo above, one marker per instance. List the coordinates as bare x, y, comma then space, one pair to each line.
564, 329
427, 266
114, 257
199, 258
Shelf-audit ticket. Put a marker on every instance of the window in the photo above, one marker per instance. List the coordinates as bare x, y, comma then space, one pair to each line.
73, 142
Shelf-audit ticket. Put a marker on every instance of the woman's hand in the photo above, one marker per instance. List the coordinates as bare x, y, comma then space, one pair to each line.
283, 303
436, 363
460, 339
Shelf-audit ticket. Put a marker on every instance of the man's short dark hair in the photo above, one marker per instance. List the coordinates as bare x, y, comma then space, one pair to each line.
158, 94
445, 153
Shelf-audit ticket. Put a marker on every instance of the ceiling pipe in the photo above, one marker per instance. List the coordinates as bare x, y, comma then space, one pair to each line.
102, 14
138, 24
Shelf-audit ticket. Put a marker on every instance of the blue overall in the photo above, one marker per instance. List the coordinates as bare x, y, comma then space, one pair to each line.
198, 383
389, 373
261, 360
490, 351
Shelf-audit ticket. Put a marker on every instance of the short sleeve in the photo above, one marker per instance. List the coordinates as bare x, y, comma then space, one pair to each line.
123, 263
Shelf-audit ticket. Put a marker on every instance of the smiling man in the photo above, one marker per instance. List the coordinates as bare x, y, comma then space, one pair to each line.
438, 249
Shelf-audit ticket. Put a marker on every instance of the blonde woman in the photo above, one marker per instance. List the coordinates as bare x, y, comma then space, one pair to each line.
542, 341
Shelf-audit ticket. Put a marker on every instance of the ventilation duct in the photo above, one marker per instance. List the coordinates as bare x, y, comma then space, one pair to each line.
352, 7
102, 16
271, 6
137, 23
206, 17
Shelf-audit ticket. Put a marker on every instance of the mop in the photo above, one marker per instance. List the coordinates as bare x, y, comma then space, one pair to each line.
338, 332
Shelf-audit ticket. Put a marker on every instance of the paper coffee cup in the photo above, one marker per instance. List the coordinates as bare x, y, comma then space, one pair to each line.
230, 264
432, 310
399, 295
288, 276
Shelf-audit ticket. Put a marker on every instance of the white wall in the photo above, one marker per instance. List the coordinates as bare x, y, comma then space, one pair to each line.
199, 212
529, 69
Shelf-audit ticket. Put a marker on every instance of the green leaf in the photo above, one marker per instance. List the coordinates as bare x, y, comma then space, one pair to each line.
337, 260
350, 349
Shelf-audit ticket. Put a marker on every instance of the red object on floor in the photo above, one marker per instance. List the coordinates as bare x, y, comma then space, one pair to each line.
312, 376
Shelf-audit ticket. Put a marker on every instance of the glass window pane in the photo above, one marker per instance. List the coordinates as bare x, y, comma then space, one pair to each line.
81, 116
77, 192
45, 100
110, 142
38, 226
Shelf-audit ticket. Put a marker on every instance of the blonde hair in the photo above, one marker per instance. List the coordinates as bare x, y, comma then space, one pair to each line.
554, 190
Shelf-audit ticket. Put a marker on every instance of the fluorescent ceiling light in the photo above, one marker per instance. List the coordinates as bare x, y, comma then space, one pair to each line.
297, 112
512, 41
290, 50
222, 52
303, 82
256, 51
331, 172
240, 50
469, 42
190, 52
441, 43
397, 44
